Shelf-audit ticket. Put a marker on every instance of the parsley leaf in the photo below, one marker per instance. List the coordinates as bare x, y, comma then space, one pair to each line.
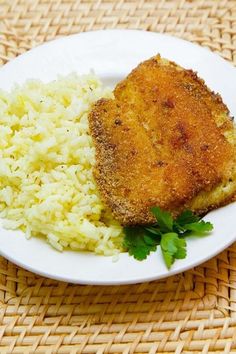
167, 232
187, 217
172, 248
139, 242
164, 219
201, 227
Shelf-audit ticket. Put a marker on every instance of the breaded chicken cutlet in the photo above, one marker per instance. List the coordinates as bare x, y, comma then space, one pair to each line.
164, 140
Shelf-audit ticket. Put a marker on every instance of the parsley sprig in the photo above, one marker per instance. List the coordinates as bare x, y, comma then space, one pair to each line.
167, 232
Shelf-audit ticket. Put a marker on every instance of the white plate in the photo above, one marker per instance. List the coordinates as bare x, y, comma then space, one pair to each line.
112, 54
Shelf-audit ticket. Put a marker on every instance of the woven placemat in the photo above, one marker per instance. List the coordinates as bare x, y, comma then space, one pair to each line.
194, 312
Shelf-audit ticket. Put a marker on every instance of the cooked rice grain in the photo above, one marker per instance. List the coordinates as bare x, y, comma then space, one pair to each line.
46, 159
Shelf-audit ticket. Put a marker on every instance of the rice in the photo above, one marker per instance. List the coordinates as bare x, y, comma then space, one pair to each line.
46, 160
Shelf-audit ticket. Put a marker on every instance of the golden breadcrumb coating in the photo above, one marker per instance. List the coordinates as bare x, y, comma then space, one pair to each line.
164, 140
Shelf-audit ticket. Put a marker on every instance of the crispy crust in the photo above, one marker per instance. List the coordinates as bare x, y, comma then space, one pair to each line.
161, 141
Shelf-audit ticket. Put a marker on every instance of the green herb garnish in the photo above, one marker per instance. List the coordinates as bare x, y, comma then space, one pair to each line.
167, 232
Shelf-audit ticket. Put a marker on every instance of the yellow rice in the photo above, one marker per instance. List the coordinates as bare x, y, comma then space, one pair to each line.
46, 159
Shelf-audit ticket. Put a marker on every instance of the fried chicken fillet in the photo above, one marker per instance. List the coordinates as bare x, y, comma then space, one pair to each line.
164, 140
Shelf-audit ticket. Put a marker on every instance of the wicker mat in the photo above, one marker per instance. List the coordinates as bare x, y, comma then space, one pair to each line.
194, 312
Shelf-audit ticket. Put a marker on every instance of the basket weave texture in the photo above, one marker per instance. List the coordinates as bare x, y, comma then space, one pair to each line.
194, 312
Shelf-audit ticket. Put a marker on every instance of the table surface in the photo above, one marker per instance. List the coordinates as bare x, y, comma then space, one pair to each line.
193, 312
